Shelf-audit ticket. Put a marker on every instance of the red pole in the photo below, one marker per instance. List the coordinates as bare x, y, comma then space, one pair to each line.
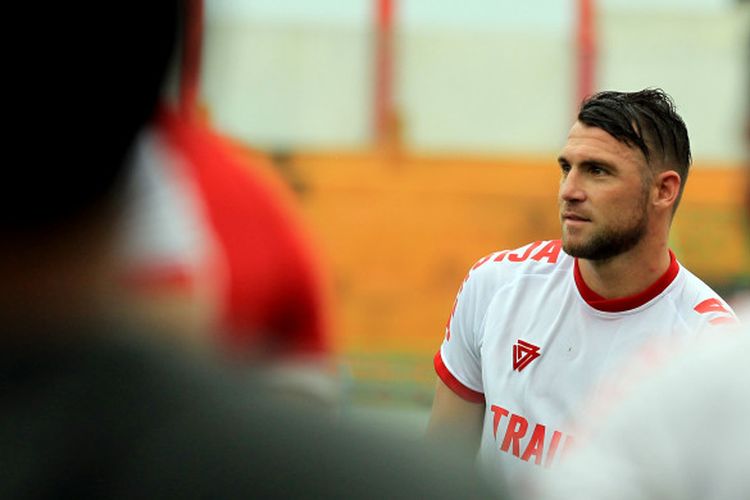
191, 59
586, 50
383, 95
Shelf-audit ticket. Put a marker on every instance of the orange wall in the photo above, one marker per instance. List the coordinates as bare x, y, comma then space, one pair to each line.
400, 233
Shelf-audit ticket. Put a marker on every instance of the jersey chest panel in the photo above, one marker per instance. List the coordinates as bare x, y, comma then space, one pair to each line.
544, 353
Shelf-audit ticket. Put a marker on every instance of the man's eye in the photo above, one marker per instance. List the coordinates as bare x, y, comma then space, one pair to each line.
597, 170
565, 168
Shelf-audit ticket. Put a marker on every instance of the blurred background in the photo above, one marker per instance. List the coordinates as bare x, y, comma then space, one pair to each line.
421, 135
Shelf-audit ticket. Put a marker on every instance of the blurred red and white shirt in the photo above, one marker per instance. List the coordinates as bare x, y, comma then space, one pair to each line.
223, 234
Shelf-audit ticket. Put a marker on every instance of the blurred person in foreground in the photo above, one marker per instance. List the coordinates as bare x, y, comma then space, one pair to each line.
92, 404
681, 431
535, 330
214, 250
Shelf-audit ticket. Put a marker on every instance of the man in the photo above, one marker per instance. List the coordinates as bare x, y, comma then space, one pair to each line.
534, 330
681, 432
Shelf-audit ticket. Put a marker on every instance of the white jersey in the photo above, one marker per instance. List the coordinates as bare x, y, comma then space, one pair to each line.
529, 339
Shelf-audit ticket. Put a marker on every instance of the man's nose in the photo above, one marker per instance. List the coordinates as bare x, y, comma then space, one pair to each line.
571, 188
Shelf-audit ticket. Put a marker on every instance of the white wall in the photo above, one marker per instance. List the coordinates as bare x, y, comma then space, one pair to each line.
485, 92
295, 85
475, 76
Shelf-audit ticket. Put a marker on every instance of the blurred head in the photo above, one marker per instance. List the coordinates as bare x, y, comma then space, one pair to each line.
646, 120
83, 78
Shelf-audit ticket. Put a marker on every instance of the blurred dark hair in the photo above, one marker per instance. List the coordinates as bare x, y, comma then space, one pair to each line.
646, 119
82, 79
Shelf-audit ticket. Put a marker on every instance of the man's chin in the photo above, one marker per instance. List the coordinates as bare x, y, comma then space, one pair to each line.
575, 248
572, 250
570, 244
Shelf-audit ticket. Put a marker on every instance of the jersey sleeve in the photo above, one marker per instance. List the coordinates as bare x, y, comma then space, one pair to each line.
708, 312
715, 311
218, 226
276, 295
458, 362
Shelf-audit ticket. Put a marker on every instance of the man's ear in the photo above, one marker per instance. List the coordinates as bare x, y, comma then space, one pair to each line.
666, 189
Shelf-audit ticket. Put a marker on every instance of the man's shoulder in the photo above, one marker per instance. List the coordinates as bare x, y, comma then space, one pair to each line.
535, 258
701, 302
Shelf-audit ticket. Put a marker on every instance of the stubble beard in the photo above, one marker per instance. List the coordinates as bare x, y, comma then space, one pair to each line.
610, 242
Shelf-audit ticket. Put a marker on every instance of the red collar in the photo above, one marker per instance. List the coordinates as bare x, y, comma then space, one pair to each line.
626, 303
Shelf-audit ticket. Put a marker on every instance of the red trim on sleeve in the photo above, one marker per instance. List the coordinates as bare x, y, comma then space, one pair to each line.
452, 382
626, 303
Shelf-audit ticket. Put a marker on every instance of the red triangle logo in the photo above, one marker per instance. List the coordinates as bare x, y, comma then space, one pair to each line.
523, 354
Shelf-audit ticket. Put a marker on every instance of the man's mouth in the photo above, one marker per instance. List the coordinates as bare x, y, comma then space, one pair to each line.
574, 217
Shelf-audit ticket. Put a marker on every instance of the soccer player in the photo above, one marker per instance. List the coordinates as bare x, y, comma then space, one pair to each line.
680, 432
534, 330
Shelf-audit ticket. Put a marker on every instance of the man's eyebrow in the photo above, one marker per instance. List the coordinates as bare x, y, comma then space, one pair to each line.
596, 163
587, 163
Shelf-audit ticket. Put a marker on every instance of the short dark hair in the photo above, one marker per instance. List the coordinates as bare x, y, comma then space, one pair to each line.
646, 119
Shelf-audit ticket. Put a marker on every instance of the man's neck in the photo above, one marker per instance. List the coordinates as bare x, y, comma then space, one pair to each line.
626, 274
59, 280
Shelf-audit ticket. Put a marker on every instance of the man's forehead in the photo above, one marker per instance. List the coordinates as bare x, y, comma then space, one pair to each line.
584, 140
